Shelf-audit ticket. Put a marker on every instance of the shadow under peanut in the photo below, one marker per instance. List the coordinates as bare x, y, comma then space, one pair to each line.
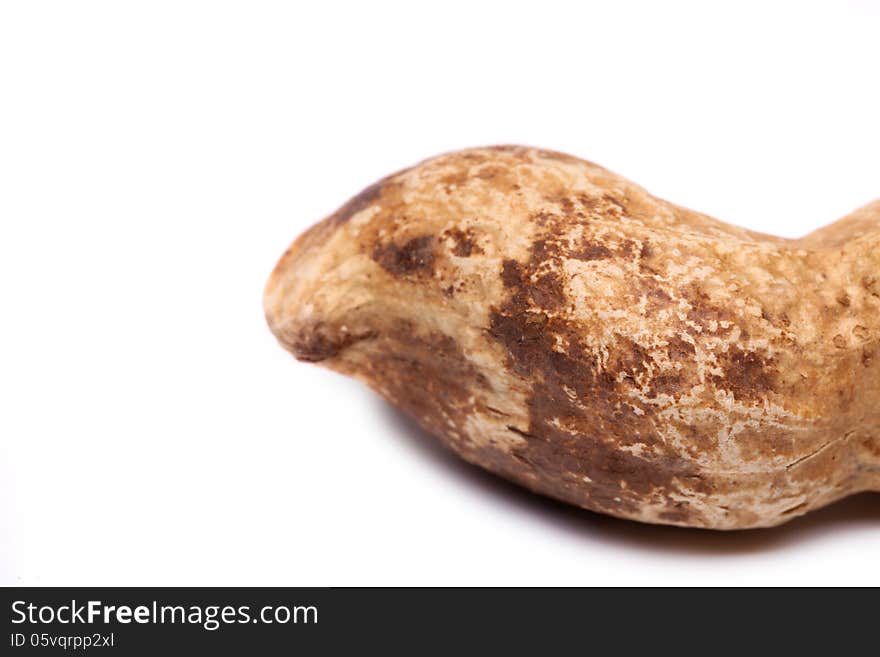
857, 511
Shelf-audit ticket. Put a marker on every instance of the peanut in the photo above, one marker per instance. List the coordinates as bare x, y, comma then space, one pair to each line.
555, 324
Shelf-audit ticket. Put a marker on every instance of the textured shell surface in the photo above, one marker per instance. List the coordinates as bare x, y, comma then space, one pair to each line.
554, 323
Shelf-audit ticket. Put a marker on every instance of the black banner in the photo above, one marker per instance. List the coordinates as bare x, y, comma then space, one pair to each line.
129, 621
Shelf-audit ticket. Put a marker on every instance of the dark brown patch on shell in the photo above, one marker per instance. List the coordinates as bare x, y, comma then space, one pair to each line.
592, 252
627, 249
414, 256
666, 384
630, 358
464, 242
679, 514
366, 197
747, 374
357, 203
319, 342
605, 205
657, 296
427, 375
679, 350
511, 275
703, 312
545, 291
646, 254
580, 412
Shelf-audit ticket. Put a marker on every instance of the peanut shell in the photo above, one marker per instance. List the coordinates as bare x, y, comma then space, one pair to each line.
557, 325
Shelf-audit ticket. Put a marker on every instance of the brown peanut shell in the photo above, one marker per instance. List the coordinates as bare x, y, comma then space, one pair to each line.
557, 325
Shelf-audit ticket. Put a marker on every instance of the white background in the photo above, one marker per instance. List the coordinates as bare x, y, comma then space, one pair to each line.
155, 160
